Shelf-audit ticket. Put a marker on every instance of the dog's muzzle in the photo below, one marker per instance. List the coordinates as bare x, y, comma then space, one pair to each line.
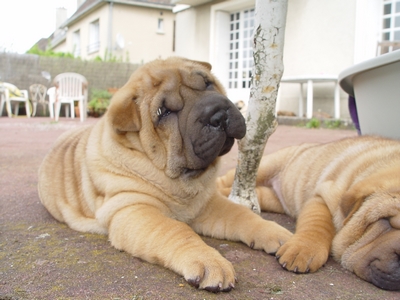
215, 123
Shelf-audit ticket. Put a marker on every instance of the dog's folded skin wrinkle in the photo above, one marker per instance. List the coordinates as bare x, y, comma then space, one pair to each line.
145, 174
192, 173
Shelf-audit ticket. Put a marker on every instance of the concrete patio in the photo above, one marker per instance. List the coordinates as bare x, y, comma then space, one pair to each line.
43, 259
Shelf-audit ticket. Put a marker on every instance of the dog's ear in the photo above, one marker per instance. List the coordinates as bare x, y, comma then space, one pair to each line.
353, 199
383, 180
204, 64
350, 203
123, 113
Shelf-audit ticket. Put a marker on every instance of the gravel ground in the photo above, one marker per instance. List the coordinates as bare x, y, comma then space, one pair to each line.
43, 259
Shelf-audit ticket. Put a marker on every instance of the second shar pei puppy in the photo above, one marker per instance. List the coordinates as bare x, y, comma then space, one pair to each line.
145, 174
346, 198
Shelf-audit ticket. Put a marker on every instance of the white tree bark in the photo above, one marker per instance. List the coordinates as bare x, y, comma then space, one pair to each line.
269, 34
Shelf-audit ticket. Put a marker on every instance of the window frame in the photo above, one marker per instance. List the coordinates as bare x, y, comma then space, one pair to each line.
94, 37
160, 26
390, 30
241, 27
76, 43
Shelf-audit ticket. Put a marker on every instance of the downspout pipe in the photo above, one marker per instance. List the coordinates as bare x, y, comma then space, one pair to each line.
110, 22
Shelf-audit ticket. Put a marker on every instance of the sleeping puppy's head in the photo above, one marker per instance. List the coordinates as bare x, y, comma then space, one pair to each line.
369, 242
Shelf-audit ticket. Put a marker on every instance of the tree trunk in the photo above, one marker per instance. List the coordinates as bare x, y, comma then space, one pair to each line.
269, 34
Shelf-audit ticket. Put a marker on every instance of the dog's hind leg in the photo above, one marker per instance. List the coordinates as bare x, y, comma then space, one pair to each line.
268, 200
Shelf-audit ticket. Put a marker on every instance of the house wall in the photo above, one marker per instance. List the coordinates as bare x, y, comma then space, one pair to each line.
185, 42
83, 25
326, 37
138, 26
194, 27
219, 42
321, 37
61, 47
368, 25
319, 40
193, 33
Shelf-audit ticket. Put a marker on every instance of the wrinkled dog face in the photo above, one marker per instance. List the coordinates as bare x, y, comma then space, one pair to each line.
381, 265
377, 243
178, 112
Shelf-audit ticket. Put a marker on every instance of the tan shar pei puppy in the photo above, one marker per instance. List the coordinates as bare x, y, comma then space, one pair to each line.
145, 174
346, 198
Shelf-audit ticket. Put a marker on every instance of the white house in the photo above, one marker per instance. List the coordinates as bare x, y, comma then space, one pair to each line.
130, 30
322, 37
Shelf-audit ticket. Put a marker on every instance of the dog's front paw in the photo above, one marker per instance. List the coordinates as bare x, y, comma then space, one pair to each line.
302, 254
210, 272
270, 237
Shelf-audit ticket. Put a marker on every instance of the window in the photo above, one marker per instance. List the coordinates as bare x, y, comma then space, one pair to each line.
240, 49
390, 25
76, 43
94, 37
160, 26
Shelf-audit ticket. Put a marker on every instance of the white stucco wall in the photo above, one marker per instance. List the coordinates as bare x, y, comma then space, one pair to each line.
186, 34
326, 37
193, 33
319, 36
319, 40
83, 26
61, 47
368, 24
137, 25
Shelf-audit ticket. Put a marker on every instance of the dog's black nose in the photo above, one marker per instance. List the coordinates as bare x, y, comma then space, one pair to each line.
219, 119
221, 114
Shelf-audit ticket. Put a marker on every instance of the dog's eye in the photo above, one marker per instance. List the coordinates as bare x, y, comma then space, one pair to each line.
162, 112
208, 83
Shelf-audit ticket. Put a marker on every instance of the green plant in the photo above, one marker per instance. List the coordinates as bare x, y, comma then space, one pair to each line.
109, 57
99, 101
97, 58
313, 123
274, 289
127, 59
49, 53
333, 124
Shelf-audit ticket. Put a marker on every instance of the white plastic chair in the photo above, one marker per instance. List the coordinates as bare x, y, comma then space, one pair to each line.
38, 95
7, 97
51, 92
2, 98
71, 87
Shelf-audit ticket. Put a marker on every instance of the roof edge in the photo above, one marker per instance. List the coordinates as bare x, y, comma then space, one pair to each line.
79, 16
98, 4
